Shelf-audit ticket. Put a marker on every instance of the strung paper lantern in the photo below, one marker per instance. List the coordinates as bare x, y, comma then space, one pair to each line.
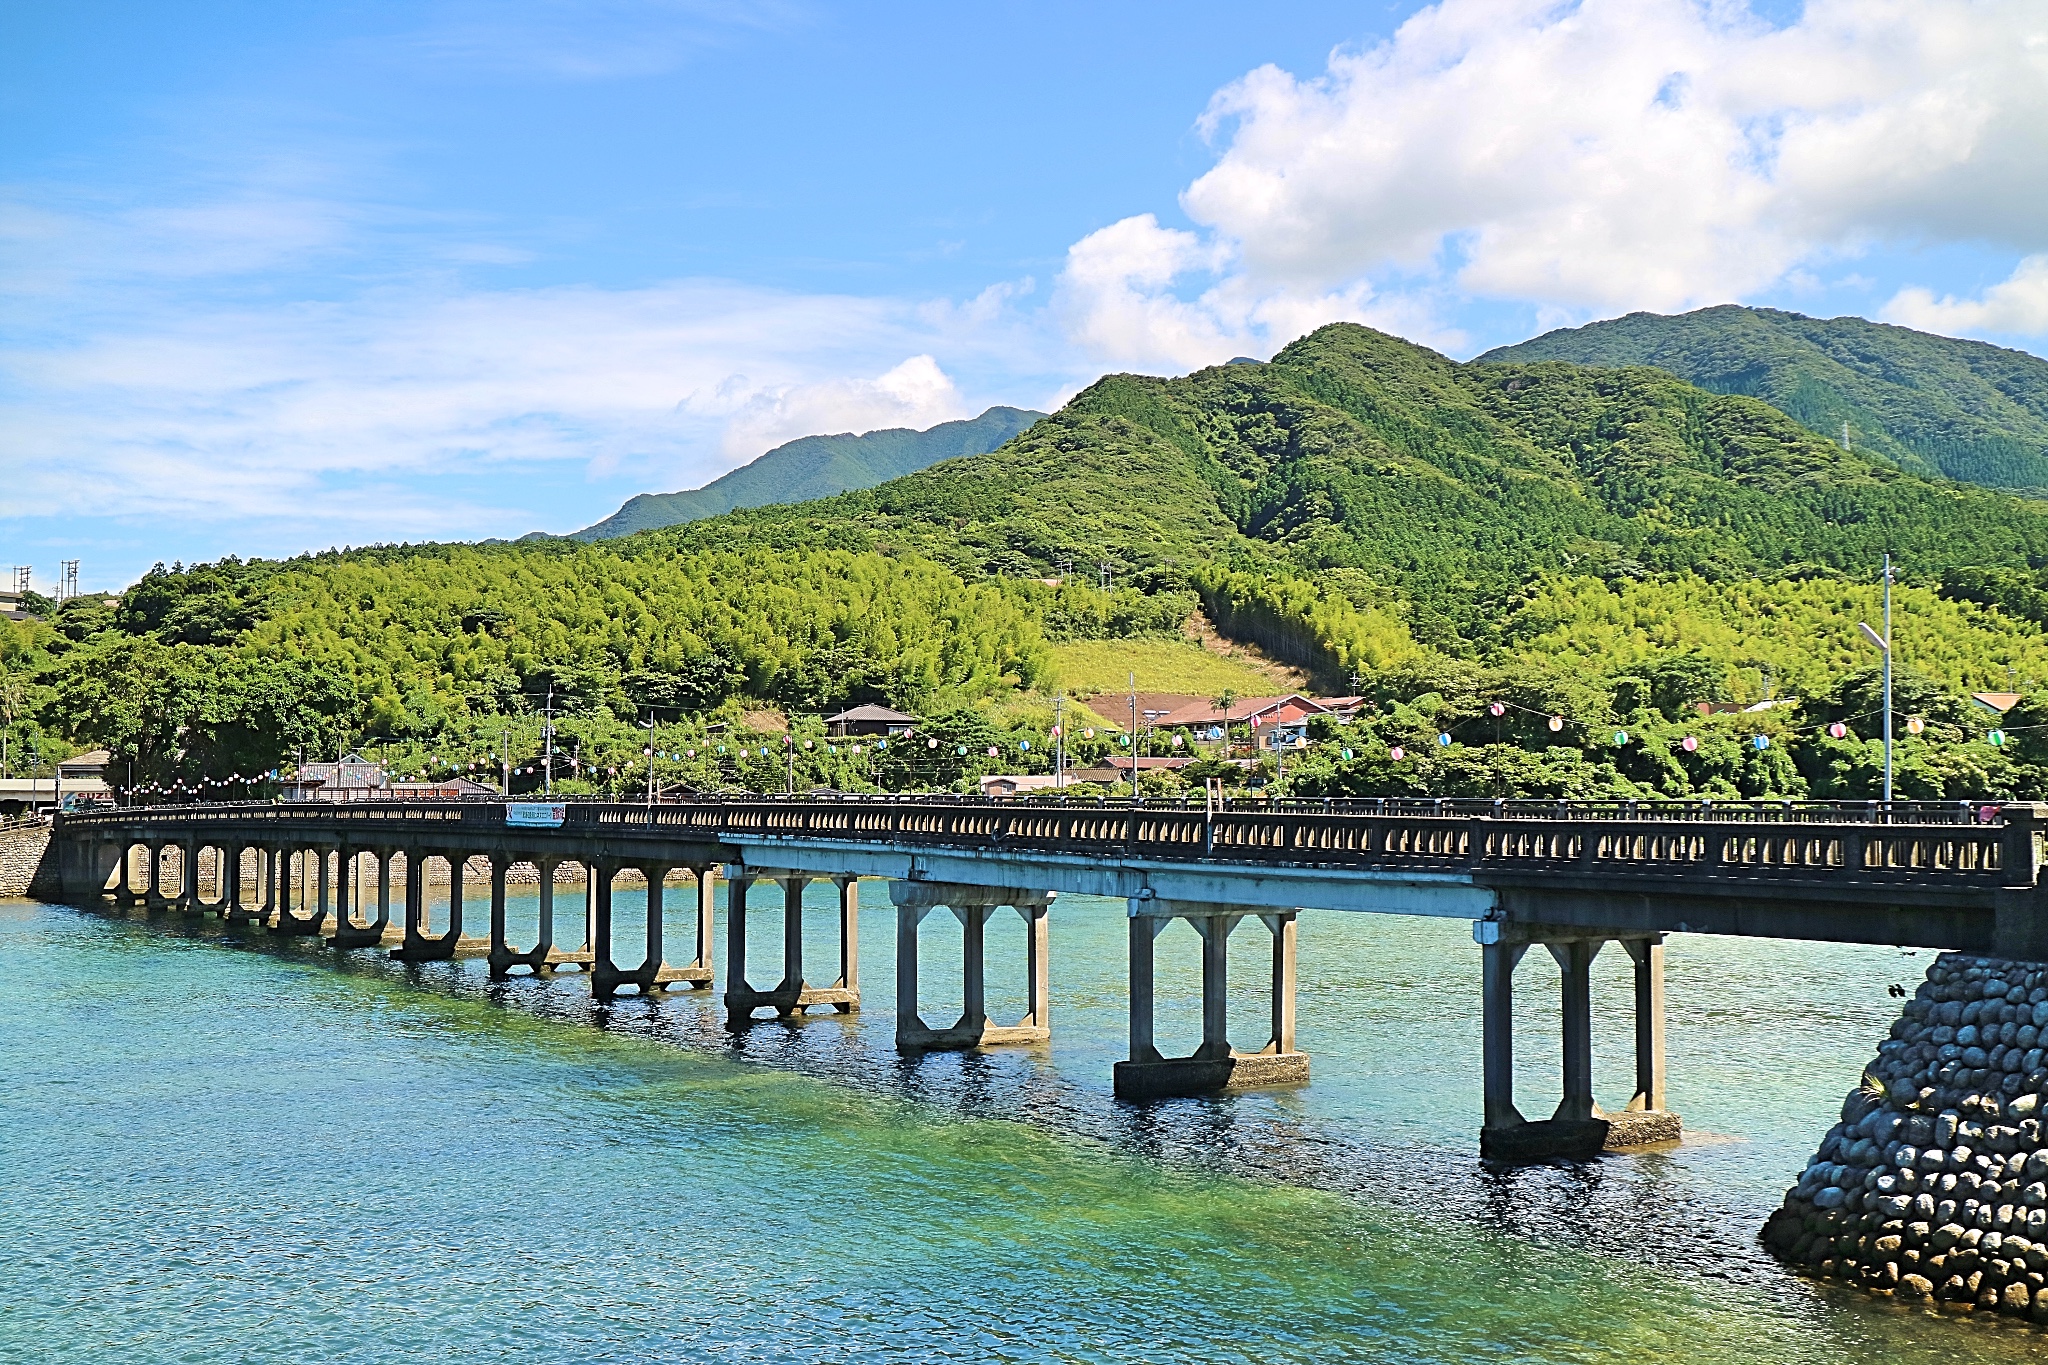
1176, 741
1914, 725
853, 748
1215, 732
1761, 741
959, 748
1996, 739
992, 751
1838, 731
1347, 754
883, 743
1124, 740
1396, 753
1055, 732
692, 752
1689, 743
1557, 723
1497, 709
1088, 733
721, 748
831, 748
809, 744
1023, 745
931, 744
1443, 741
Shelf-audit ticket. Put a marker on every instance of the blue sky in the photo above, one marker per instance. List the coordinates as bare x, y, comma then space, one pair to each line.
274, 278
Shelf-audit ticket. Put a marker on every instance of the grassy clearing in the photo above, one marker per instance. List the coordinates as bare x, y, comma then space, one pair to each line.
1091, 666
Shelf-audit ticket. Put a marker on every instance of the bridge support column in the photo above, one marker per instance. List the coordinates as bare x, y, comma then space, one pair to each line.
1578, 1127
972, 906
418, 945
313, 887
153, 895
1215, 1065
186, 902
349, 931
653, 974
539, 959
793, 995
582, 959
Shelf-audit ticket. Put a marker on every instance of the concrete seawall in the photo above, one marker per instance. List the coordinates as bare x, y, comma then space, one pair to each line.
1935, 1183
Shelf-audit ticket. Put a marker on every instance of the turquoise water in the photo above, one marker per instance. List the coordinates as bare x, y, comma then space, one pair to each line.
218, 1147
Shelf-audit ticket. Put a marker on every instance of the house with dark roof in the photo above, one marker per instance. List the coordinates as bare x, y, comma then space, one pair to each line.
868, 720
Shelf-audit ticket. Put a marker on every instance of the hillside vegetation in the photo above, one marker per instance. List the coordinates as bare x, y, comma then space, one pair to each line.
1604, 546
1931, 404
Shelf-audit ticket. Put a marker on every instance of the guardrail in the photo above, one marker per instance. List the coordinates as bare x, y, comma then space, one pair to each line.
1616, 840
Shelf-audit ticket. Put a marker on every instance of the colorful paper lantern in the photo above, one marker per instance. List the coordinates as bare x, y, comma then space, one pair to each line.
1761, 741
1497, 710
1689, 743
1396, 753
1996, 739
1914, 725
1621, 736
1556, 723
1838, 731
1443, 741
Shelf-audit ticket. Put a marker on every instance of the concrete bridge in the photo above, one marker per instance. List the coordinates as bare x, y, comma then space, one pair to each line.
1570, 878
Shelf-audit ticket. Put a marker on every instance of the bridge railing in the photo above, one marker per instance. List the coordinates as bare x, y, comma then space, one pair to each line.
1603, 841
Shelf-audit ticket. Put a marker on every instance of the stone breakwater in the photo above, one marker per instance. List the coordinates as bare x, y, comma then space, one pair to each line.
1935, 1183
23, 869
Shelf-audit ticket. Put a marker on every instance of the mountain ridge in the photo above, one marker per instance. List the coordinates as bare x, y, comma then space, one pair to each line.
812, 467
1930, 404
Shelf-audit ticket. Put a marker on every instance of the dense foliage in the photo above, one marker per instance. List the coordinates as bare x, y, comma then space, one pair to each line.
1931, 404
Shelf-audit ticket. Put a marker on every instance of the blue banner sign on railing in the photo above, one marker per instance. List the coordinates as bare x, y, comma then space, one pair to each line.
534, 814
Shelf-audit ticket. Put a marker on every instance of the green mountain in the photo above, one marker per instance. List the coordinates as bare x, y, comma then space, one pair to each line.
816, 467
1929, 404
1412, 485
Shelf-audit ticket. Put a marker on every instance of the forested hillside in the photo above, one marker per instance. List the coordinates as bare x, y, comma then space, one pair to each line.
1932, 404
1605, 547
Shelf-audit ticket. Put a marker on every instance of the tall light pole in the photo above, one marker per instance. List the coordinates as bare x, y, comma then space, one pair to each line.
1884, 643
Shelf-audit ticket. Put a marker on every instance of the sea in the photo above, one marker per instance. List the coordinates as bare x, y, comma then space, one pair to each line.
216, 1145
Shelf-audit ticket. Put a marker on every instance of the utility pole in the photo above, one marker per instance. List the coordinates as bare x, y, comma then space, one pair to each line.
1884, 644
1059, 742
1887, 664
789, 748
1134, 736
505, 759
650, 758
547, 731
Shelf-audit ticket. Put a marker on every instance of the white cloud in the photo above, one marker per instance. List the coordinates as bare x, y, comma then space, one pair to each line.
251, 414
2017, 306
916, 393
1586, 158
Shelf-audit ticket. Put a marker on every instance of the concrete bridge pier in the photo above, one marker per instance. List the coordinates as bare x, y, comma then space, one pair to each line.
312, 887
153, 887
418, 945
1578, 1127
654, 973
793, 994
1215, 1065
584, 958
543, 958
231, 909
972, 906
350, 931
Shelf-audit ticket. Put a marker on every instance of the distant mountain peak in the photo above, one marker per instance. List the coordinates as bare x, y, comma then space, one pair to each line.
813, 467
1934, 405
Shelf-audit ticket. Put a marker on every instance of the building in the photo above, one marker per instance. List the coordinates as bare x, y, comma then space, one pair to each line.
1117, 768
857, 721
1998, 703
1255, 713
88, 766
1010, 784
356, 778
11, 608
